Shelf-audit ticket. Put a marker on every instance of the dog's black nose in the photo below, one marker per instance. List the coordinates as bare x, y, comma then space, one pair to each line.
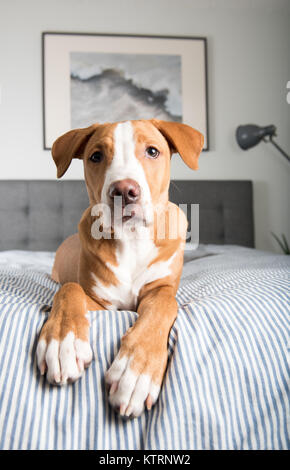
128, 189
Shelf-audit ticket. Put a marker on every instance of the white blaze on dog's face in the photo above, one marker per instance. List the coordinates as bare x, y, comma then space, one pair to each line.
131, 154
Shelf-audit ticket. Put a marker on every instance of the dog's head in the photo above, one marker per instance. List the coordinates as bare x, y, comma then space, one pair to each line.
129, 159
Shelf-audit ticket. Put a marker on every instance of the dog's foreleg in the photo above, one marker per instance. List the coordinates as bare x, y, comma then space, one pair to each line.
63, 349
137, 372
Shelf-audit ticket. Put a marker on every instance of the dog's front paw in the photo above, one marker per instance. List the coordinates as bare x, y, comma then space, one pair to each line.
62, 358
136, 374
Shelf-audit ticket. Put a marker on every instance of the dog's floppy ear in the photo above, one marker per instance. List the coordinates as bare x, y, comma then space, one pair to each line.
70, 145
182, 139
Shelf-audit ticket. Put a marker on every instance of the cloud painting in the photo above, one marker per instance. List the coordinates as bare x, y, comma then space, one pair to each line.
116, 87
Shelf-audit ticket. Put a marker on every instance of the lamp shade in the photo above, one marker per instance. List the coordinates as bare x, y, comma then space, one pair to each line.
250, 135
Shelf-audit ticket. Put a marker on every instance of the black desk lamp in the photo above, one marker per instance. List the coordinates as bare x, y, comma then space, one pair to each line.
250, 135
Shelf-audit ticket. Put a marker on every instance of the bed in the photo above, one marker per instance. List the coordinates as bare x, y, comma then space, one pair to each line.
227, 381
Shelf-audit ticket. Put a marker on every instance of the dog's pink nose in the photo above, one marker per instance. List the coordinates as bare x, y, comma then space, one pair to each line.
128, 189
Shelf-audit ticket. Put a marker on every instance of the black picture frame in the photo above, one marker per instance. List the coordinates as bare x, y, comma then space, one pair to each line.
46, 34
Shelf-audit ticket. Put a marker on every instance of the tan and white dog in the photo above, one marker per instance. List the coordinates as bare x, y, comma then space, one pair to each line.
130, 160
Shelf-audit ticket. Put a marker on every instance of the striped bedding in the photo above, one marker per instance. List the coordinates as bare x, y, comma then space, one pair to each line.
227, 381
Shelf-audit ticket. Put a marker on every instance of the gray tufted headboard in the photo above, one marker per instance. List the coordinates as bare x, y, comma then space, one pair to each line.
39, 215
225, 209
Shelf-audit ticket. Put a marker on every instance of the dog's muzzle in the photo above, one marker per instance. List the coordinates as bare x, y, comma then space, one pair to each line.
127, 194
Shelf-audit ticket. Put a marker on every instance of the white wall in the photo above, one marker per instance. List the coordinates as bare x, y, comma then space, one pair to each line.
249, 66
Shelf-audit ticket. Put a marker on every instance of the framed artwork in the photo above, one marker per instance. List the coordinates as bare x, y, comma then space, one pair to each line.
91, 78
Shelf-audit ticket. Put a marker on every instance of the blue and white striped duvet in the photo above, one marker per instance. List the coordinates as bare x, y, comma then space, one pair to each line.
227, 381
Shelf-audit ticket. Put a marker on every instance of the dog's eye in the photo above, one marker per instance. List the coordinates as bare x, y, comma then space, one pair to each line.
152, 152
97, 157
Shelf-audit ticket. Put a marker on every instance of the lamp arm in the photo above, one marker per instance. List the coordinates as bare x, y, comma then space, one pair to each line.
279, 148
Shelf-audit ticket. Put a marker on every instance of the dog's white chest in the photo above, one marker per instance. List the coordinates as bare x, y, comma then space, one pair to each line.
132, 273
133, 258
